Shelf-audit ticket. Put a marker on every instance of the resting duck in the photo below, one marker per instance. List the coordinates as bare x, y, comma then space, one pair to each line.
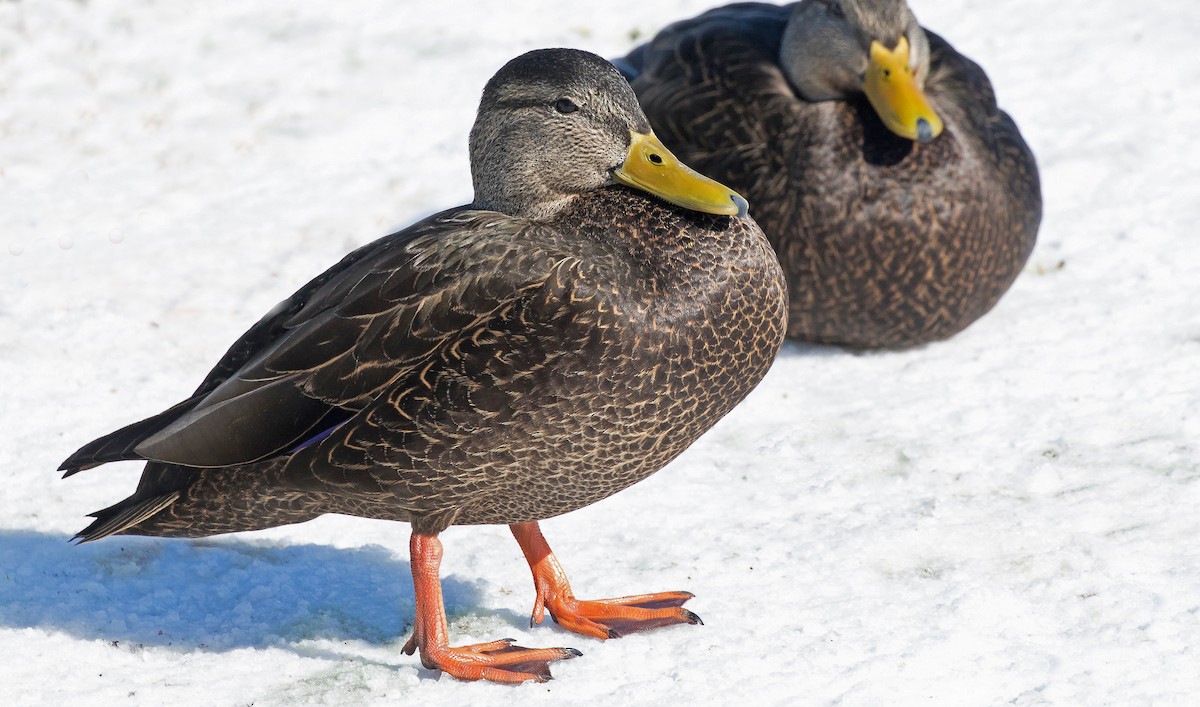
560, 338
901, 201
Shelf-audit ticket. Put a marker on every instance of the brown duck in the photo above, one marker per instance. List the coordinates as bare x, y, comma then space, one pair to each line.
902, 202
558, 339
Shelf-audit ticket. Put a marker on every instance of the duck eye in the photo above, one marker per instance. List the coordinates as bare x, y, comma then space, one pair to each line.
835, 9
565, 105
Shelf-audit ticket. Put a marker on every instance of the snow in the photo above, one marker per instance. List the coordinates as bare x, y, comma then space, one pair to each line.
1009, 517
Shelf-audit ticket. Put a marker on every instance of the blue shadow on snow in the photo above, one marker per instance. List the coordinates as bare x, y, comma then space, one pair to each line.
214, 595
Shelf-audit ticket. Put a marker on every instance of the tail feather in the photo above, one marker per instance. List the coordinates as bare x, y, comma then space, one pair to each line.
119, 445
124, 515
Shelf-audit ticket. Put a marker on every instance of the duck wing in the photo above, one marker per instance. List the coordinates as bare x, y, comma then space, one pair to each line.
751, 20
962, 83
325, 353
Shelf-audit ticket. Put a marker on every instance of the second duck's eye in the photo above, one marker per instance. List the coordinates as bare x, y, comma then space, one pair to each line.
565, 105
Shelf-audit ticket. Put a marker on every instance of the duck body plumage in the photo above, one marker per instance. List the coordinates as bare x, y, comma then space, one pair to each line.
473, 368
560, 338
885, 242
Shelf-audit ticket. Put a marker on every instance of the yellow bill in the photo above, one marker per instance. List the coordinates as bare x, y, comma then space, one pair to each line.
652, 168
892, 89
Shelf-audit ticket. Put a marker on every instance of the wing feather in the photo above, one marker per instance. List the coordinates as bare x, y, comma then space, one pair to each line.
349, 335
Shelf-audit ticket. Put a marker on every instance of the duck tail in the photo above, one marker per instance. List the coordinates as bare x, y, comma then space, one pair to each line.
125, 514
119, 445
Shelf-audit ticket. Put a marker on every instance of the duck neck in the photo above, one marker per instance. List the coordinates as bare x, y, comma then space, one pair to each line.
512, 176
520, 203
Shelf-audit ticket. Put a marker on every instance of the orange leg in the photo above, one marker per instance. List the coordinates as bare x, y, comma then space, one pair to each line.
600, 618
498, 661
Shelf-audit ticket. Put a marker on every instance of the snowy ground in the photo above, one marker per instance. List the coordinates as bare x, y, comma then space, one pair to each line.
1010, 517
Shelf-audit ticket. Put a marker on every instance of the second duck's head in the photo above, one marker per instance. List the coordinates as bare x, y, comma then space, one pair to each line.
555, 124
833, 49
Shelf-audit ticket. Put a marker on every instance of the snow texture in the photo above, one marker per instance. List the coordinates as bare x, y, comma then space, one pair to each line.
1010, 517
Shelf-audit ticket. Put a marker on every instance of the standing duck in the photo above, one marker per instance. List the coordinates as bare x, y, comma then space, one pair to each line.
560, 338
901, 201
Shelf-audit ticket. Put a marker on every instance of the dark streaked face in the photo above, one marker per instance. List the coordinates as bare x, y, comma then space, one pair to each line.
568, 104
555, 123
833, 49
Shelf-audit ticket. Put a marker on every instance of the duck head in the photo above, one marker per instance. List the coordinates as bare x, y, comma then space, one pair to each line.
554, 124
833, 49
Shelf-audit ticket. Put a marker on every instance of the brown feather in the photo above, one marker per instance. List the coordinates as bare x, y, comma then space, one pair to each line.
479, 366
884, 242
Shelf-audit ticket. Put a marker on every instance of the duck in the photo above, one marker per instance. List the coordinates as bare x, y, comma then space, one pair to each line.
594, 310
901, 200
